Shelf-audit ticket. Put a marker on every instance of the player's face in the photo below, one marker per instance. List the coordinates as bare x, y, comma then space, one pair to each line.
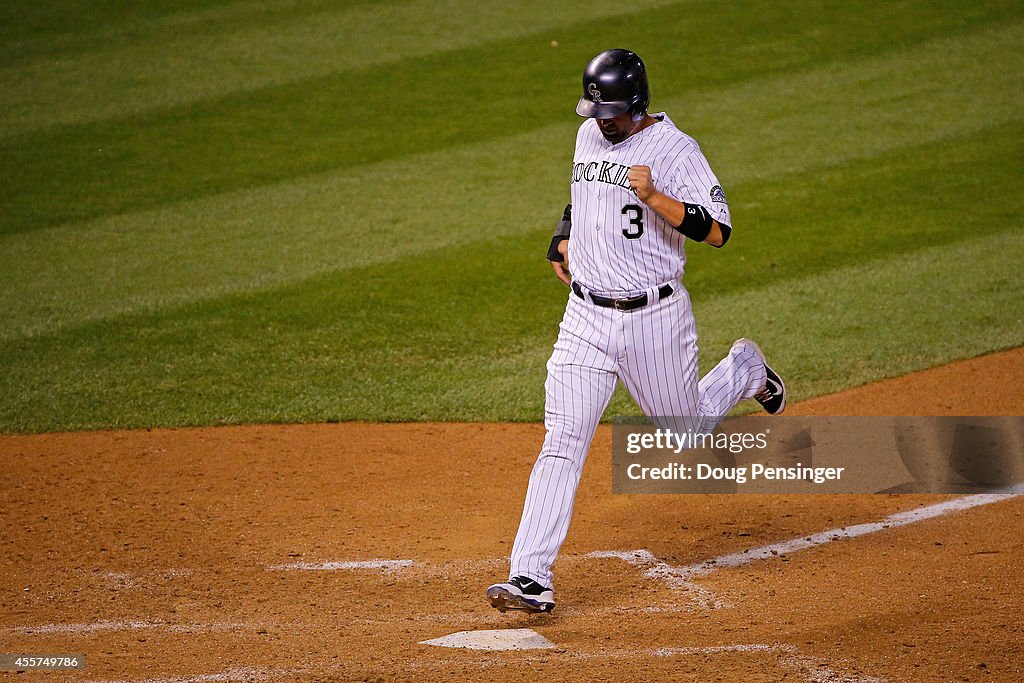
616, 129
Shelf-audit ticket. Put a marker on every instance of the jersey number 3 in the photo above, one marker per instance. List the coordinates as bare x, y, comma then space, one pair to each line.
636, 223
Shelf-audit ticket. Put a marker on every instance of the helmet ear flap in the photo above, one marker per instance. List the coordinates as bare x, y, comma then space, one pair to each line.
642, 100
638, 109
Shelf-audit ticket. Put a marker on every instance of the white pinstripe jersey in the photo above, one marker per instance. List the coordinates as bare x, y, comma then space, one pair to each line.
619, 246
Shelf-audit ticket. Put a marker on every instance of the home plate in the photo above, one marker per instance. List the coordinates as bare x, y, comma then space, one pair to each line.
498, 639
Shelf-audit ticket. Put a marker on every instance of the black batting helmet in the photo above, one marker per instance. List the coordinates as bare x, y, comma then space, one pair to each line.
614, 82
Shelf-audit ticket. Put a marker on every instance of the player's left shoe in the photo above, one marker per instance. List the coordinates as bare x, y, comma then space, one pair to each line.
521, 593
773, 397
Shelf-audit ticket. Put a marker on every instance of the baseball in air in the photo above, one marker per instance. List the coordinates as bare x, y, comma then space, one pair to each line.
554, 43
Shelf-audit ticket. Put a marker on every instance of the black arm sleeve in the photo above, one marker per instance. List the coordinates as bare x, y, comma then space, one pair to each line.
561, 233
696, 222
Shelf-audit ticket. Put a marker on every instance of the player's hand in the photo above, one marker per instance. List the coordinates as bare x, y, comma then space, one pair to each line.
641, 181
561, 268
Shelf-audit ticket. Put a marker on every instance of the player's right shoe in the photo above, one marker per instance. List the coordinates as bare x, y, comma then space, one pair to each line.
773, 397
521, 593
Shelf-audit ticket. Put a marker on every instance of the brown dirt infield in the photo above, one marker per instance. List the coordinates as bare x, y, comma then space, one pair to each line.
154, 552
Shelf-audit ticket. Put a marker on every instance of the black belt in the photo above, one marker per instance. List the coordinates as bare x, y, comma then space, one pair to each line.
624, 304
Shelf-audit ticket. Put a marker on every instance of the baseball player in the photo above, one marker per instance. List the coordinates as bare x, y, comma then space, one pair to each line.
640, 188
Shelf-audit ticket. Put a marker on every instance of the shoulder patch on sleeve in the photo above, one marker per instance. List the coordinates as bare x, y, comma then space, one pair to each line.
718, 194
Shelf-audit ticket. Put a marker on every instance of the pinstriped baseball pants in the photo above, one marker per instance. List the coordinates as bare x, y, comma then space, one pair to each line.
653, 350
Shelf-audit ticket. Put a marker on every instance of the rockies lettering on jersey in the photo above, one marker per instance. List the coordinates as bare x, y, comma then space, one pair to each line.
604, 175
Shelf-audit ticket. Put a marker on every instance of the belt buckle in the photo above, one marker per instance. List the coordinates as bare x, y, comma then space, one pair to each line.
626, 303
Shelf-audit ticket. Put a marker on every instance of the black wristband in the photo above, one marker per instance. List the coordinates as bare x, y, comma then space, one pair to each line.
696, 222
553, 254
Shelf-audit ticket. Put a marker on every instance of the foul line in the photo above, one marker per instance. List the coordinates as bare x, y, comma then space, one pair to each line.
679, 577
387, 565
896, 520
122, 626
230, 676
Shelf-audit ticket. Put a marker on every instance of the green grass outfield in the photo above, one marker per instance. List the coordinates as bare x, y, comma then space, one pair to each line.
222, 212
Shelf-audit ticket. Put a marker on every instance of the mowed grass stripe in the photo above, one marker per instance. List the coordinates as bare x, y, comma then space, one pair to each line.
849, 110
64, 29
483, 357
183, 57
788, 226
780, 126
365, 115
63, 65
799, 224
